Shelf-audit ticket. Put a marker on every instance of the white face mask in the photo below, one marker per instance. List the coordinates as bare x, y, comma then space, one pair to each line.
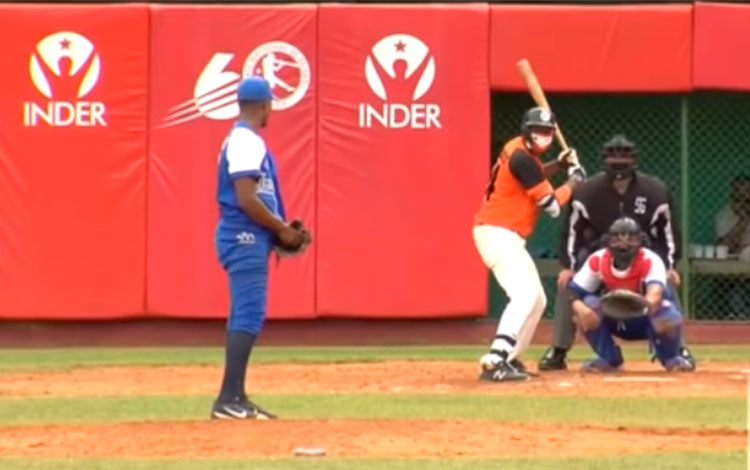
541, 141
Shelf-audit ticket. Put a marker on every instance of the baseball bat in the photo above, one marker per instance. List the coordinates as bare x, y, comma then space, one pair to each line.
524, 67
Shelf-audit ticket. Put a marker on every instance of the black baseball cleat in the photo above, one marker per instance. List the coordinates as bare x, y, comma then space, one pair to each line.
688, 356
260, 413
239, 408
522, 367
553, 359
503, 372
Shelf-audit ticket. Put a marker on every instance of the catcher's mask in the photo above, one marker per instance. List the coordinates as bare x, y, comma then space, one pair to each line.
619, 158
623, 240
537, 129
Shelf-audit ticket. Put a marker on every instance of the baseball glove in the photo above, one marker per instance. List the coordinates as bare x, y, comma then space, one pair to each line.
294, 250
622, 304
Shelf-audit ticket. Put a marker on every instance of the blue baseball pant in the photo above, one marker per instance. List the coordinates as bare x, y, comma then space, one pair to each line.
245, 260
663, 330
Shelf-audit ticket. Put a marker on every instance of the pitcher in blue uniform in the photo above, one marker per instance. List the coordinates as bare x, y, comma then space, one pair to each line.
251, 219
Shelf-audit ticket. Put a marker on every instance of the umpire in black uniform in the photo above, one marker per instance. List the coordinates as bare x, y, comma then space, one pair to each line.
619, 190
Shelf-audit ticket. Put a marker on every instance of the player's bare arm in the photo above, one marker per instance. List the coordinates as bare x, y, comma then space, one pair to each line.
251, 204
565, 160
574, 181
584, 315
654, 296
553, 167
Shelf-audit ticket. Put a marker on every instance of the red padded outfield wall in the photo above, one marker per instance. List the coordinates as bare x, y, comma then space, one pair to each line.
402, 159
593, 48
72, 160
722, 42
198, 55
386, 158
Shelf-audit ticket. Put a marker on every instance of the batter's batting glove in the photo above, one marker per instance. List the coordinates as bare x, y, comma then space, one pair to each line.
569, 157
577, 172
297, 249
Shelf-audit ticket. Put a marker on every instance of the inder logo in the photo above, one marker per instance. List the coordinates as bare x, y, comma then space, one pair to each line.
64, 68
400, 70
215, 94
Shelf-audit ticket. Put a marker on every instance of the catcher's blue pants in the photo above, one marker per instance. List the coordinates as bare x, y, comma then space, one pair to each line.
662, 330
244, 257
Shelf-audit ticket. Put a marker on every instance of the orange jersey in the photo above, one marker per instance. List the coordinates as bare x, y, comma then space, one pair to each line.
517, 189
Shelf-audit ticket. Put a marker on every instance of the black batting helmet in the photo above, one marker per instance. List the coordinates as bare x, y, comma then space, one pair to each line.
619, 157
536, 117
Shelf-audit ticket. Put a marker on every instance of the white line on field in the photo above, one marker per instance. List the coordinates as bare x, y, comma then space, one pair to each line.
639, 379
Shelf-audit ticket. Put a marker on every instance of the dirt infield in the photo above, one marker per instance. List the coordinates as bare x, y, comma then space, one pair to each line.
364, 438
352, 438
433, 377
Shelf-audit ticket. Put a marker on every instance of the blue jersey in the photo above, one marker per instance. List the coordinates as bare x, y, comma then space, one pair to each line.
244, 154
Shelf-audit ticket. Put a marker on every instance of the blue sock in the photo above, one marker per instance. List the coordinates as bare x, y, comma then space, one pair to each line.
237, 353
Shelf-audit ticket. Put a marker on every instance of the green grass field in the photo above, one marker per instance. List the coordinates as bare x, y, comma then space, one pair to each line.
661, 461
700, 413
62, 358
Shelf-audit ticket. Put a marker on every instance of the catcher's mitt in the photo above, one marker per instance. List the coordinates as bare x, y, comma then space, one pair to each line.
622, 304
294, 250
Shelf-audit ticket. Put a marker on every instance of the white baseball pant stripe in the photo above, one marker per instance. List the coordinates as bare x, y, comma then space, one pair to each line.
504, 253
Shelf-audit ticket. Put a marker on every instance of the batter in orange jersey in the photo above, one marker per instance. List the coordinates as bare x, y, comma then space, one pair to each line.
518, 190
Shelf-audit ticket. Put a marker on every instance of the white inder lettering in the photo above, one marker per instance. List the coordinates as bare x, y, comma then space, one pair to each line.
396, 116
64, 114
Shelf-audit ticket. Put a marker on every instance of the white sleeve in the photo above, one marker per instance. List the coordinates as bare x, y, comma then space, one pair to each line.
245, 153
658, 272
586, 280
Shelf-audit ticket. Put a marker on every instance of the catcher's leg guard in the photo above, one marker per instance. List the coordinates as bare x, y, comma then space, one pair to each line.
600, 338
666, 333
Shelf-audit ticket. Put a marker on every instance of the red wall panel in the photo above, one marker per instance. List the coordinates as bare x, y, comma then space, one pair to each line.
593, 48
198, 55
402, 160
722, 42
72, 160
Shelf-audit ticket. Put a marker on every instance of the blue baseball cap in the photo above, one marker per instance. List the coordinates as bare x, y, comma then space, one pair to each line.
254, 88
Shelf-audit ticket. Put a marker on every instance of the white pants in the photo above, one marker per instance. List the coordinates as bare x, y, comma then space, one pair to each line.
504, 253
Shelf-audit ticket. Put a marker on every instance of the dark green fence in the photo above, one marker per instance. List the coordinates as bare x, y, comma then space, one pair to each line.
696, 143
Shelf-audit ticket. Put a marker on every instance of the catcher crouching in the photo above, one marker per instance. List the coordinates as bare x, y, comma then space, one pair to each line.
620, 291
